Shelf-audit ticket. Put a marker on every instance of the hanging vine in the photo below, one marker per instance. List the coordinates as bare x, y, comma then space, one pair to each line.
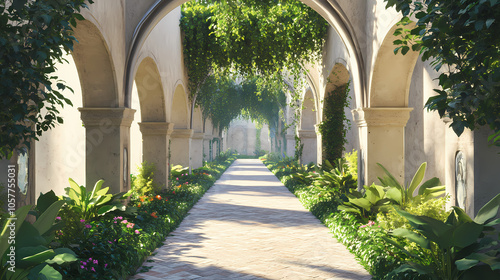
335, 124
257, 41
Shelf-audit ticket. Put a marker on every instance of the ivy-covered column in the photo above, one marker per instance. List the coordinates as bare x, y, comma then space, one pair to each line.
155, 138
310, 142
107, 133
207, 141
197, 149
181, 147
381, 132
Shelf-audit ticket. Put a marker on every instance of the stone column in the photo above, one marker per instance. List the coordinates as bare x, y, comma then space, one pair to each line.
309, 139
180, 147
381, 133
197, 149
290, 145
155, 136
207, 140
107, 133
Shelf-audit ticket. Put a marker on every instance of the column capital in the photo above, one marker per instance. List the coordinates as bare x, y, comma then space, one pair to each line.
198, 135
107, 116
290, 137
307, 133
156, 128
207, 137
182, 133
368, 117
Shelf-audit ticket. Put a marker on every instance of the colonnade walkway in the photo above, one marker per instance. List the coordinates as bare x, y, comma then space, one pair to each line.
249, 226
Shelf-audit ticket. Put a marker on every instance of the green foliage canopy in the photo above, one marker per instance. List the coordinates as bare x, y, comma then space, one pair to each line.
259, 41
464, 37
33, 37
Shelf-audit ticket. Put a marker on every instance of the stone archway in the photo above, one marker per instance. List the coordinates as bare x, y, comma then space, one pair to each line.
381, 123
154, 127
107, 123
182, 134
307, 131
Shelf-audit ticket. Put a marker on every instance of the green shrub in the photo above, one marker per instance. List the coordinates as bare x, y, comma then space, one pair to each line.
143, 183
434, 208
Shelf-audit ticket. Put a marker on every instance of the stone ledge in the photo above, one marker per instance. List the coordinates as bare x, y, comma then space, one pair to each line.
307, 134
396, 117
156, 128
107, 116
182, 133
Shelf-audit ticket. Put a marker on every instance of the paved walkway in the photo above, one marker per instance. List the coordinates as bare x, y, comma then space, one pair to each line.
249, 226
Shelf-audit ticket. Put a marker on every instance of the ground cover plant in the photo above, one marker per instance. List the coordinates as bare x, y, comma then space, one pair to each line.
391, 243
93, 237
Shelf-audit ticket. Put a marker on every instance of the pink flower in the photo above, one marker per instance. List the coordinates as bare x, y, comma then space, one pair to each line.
136, 231
82, 221
177, 179
118, 218
93, 269
88, 226
58, 218
105, 265
124, 222
131, 225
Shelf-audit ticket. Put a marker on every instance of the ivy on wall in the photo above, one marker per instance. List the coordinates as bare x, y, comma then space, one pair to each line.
335, 124
462, 41
33, 37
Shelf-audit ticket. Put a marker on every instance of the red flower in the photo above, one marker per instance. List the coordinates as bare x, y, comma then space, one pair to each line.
154, 215
158, 197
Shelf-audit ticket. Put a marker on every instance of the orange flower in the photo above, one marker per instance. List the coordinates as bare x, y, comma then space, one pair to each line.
142, 199
166, 199
139, 205
151, 199
179, 186
158, 197
154, 215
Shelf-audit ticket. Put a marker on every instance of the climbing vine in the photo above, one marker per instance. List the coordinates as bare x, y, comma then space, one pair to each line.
258, 42
462, 40
33, 37
335, 124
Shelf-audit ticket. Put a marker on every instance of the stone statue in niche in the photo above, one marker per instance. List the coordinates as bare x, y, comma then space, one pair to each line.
460, 180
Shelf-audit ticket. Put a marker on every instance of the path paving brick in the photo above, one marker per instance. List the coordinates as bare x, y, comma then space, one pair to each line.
249, 226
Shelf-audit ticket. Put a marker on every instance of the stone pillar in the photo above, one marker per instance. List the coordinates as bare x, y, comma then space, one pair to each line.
180, 147
107, 133
207, 140
290, 145
197, 149
381, 133
155, 136
309, 139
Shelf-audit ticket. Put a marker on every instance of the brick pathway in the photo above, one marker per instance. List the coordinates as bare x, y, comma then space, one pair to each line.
249, 226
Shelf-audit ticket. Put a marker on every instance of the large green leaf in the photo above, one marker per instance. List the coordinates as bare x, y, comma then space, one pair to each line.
433, 229
390, 179
45, 200
417, 179
28, 236
97, 188
46, 220
362, 203
413, 237
31, 256
395, 194
20, 215
63, 255
475, 258
44, 271
465, 234
488, 211
431, 183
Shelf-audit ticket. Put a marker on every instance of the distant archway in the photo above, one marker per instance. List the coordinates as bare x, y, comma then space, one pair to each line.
180, 148
307, 131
